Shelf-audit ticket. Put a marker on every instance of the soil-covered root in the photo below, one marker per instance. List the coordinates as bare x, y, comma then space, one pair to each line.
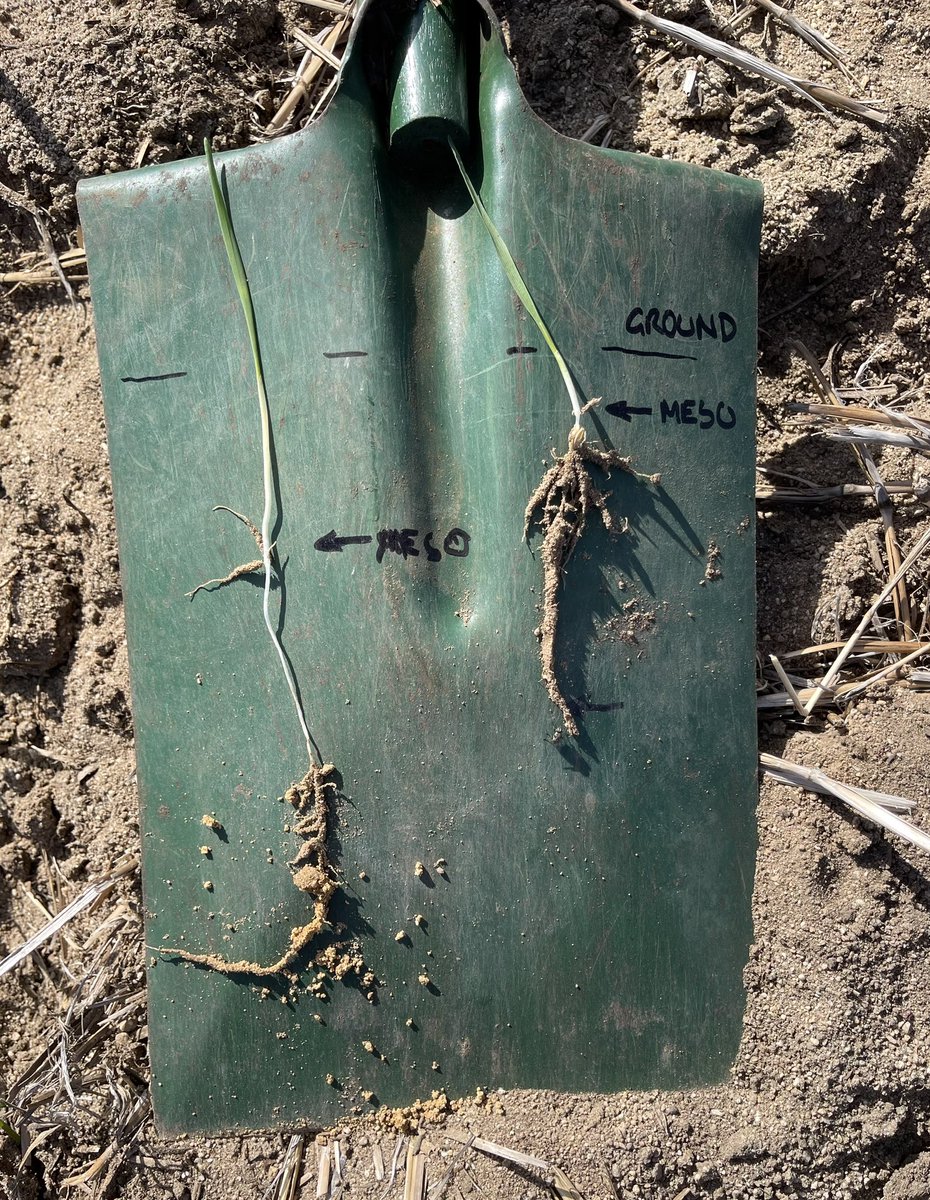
311, 872
560, 508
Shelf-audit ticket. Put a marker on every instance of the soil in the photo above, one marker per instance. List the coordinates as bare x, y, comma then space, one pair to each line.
830, 1094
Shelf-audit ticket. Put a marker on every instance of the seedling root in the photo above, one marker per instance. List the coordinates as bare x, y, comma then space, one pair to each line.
310, 870
244, 568
559, 508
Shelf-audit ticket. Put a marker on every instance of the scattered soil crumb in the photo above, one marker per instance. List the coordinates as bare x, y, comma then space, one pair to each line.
630, 625
436, 1110
712, 569
342, 959
433, 1111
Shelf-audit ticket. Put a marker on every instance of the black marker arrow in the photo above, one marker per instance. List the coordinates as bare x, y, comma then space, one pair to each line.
329, 541
623, 410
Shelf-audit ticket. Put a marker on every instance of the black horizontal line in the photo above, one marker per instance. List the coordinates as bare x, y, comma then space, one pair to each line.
521, 350
648, 353
345, 353
152, 378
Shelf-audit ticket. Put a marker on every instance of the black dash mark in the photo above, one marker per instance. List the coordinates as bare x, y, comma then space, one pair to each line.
345, 353
152, 378
647, 353
522, 350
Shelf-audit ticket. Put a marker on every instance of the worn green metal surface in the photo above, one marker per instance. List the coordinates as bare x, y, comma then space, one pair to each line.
594, 919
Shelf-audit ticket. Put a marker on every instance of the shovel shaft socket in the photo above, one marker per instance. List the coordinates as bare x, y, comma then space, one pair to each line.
430, 100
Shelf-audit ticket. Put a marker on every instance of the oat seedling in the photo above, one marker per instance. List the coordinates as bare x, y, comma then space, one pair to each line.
312, 795
561, 503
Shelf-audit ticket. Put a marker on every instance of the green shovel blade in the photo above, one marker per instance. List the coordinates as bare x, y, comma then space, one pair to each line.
590, 925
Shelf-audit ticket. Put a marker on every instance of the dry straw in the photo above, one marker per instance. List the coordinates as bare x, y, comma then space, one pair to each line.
83, 903
286, 1182
823, 381
861, 424
878, 807
818, 94
321, 55
81, 1101
827, 49
561, 1185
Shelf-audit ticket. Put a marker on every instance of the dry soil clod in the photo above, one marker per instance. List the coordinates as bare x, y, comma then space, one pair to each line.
560, 508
